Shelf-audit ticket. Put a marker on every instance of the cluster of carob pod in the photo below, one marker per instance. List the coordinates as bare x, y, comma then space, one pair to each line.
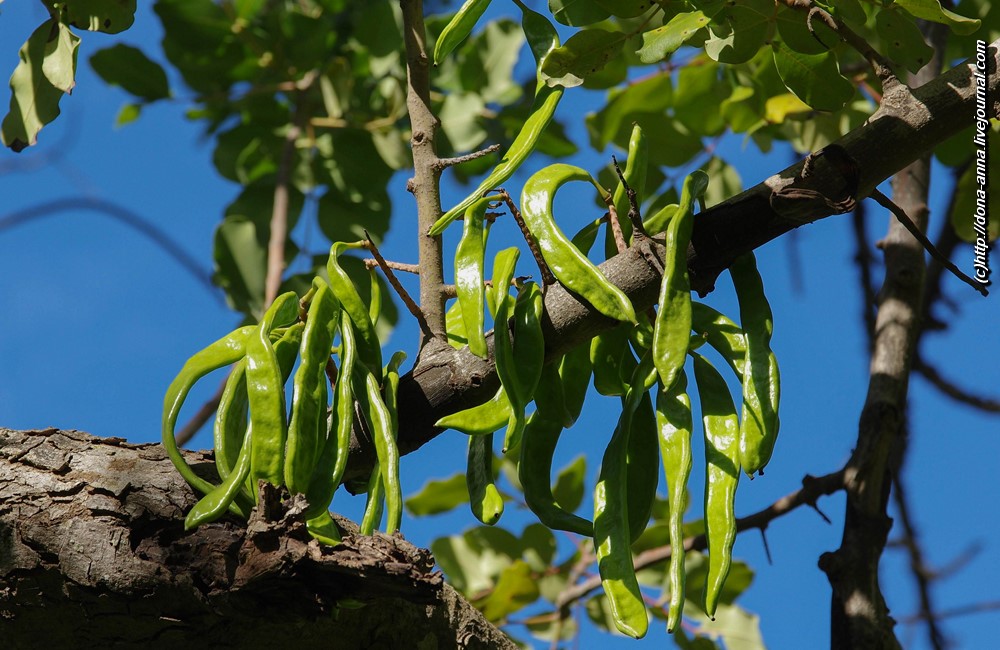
307, 450
644, 355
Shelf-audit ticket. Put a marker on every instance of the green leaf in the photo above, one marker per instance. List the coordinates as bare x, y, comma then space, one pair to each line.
726, 181
129, 113
795, 33
568, 489
626, 8
736, 627
59, 64
538, 547
240, 250
698, 97
34, 100
659, 43
933, 11
738, 31
742, 109
461, 120
438, 496
614, 121
585, 53
814, 78
108, 16
577, 13
126, 66
514, 590
247, 152
903, 41
487, 62
778, 108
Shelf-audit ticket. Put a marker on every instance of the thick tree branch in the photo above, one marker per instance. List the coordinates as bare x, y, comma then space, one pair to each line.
859, 614
448, 381
94, 554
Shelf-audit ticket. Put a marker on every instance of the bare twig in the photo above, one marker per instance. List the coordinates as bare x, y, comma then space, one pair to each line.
965, 610
812, 488
442, 163
400, 291
918, 567
863, 258
955, 392
122, 215
907, 223
372, 263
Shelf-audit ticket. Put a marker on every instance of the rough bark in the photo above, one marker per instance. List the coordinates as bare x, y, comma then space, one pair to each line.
906, 127
93, 554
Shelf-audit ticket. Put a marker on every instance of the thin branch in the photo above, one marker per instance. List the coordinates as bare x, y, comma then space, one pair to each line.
947, 242
203, 415
443, 163
907, 223
955, 392
863, 258
918, 567
616, 227
400, 291
372, 263
279, 215
547, 277
634, 215
965, 610
812, 488
123, 215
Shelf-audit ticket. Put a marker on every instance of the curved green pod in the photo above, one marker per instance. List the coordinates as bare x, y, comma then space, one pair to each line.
571, 267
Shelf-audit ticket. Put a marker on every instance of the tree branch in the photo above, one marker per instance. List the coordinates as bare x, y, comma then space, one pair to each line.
812, 488
859, 615
425, 184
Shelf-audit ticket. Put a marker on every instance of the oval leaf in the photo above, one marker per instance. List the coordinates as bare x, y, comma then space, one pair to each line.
814, 78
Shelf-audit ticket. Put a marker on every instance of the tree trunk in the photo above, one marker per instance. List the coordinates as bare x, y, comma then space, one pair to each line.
93, 554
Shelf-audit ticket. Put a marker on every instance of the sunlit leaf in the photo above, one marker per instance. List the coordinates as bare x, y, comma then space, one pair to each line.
515, 588
34, 100
585, 53
933, 11
779, 107
108, 16
659, 43
438, 496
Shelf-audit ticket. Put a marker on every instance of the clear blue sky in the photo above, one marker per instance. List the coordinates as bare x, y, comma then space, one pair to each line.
96, 321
